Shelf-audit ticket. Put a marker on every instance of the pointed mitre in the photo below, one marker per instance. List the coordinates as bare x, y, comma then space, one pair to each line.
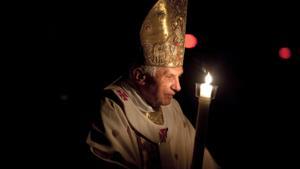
162, 33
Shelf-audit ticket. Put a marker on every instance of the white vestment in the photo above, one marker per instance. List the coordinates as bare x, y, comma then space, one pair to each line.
125, 136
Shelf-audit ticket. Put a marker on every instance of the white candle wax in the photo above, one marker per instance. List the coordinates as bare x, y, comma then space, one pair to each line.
206, 90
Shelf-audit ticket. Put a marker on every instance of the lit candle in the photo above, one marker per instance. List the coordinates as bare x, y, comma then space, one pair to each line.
206, 88
205, 93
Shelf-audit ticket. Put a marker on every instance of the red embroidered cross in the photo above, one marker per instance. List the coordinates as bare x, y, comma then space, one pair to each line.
122, 94
163, 133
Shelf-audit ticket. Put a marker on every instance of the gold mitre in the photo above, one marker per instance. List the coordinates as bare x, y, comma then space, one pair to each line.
163, 32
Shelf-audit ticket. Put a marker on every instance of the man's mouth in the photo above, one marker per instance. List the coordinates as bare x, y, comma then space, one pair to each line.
170, 96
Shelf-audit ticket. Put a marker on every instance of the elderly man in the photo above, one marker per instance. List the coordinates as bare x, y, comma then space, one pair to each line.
140, 124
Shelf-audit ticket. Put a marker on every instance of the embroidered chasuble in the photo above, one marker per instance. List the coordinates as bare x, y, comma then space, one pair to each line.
125, 134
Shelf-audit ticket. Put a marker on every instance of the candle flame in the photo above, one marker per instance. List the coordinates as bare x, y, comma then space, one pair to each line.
208, 78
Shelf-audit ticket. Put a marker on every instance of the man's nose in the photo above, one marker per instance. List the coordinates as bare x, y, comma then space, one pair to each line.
176, 85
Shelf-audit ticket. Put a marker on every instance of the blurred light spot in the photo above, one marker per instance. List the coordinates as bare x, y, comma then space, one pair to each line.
285, 53
190, 41
64, 97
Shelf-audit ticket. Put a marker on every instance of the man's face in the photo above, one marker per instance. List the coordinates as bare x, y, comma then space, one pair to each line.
163, 86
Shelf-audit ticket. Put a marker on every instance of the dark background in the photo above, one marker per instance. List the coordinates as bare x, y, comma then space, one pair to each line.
253, 119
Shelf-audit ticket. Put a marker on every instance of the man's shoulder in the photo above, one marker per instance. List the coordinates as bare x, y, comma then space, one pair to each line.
111, 90
108, 95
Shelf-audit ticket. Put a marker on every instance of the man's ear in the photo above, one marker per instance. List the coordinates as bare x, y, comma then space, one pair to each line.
138, 76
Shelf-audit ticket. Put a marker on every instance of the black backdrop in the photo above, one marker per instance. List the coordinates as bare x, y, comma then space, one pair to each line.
253, 119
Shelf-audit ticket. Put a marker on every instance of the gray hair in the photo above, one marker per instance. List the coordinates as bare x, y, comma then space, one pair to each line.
150, 70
